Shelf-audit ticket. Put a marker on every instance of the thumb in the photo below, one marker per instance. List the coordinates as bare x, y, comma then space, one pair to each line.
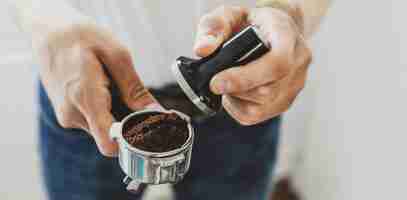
91, 97
216, 27
96, 106
94, 102
99, 126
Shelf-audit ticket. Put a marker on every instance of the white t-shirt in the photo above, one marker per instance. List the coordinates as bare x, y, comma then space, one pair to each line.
155, 31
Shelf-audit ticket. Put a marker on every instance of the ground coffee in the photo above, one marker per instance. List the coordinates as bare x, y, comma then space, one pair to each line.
156, 132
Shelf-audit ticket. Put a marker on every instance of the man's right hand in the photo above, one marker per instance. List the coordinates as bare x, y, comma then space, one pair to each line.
72, 72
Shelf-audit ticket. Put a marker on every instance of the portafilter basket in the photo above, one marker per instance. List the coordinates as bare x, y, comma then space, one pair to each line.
144, 167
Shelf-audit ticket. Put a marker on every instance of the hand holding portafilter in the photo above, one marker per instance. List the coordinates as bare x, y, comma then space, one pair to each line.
143, 167
193, 75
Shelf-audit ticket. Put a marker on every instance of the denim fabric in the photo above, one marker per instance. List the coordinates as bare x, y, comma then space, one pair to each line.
229, 161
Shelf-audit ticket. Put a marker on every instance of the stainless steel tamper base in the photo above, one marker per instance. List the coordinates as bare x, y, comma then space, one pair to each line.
193, 97
143, 167
248, 44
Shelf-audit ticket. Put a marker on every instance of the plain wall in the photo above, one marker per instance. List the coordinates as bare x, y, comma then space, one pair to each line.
353, 111
19, 169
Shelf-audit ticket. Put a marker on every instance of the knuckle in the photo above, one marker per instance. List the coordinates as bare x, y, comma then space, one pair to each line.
253, 112
267, 94
308, 55
235, 84
264, 91
236, 80
83, 94
244, 119
253, 115
63, 121
137, 92
105, 98
63, 117
280, 70
76, 91
244, 115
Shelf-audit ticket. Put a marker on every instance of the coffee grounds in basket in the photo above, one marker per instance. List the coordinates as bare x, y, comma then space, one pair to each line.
159, 132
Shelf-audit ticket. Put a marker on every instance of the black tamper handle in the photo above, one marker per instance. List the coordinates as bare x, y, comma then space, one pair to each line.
242, 48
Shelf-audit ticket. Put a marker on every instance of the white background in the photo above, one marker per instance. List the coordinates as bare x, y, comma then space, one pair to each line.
19, 169
345, 133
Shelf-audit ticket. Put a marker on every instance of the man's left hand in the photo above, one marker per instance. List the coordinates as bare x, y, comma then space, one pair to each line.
266, 87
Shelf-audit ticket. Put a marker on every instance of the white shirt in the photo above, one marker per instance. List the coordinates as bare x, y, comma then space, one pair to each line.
155, 31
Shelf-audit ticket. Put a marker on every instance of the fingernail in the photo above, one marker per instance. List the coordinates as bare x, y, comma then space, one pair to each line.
155, 106
222, 86
206, 40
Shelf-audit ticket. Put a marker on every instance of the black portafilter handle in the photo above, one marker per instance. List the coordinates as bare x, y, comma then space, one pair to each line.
243, 47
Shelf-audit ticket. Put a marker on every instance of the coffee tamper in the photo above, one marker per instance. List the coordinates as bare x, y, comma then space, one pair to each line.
193, 75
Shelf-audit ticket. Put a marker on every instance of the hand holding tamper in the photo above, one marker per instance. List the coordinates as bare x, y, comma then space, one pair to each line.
194, 75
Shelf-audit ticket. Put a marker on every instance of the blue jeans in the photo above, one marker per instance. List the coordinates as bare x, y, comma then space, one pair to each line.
229, 161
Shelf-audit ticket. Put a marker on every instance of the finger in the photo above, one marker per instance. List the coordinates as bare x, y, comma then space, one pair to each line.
267, 69
98, 115
288, 90
272, 66
69, 116
92, 98
280, 105
249, 113
264, 94
216, 27
276, 26
244, 112
119, 64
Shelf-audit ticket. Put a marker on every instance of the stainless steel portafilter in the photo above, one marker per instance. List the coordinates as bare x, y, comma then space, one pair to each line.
144, 167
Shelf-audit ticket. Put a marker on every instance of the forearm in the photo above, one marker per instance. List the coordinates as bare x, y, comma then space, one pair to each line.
306, 13
38, 18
